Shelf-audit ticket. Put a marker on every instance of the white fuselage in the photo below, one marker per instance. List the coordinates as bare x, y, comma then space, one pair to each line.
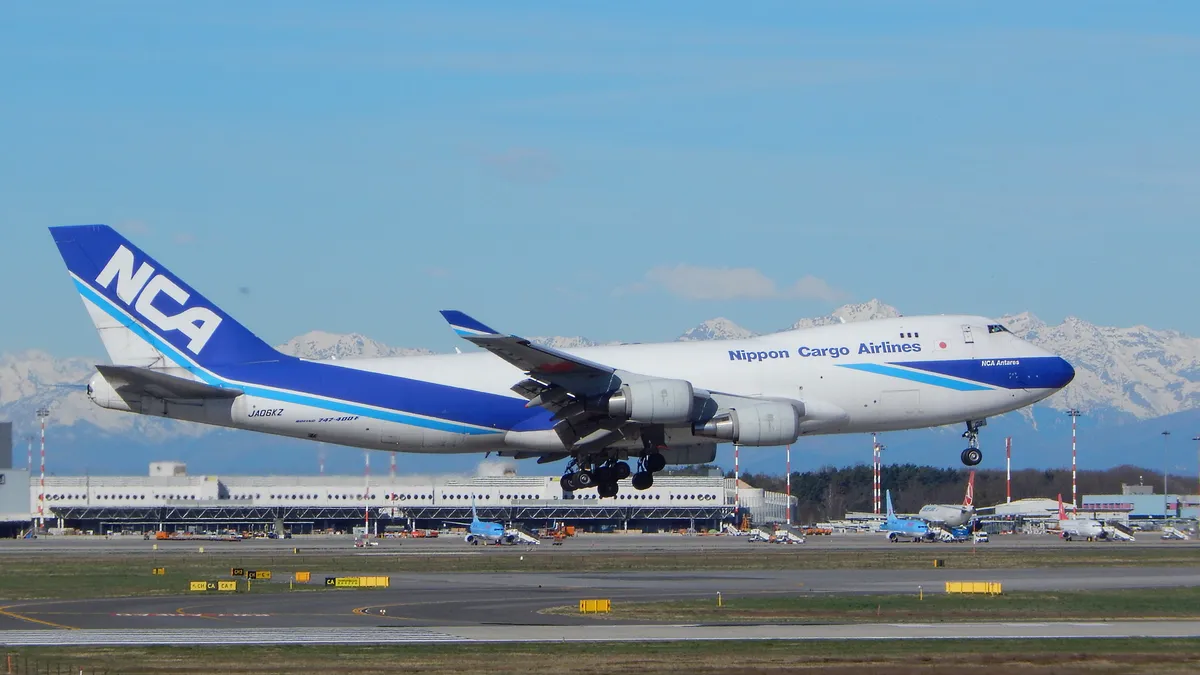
949, 515
852, 378
1083, 528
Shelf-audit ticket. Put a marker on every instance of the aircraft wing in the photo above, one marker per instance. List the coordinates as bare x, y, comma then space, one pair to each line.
556, 381
134, 380
533, 359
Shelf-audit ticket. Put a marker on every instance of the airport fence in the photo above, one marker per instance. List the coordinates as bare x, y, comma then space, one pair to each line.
16, 663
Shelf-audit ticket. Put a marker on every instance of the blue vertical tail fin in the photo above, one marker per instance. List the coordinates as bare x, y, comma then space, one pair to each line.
147, 316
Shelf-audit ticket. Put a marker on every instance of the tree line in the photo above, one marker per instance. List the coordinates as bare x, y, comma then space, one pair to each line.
830, 492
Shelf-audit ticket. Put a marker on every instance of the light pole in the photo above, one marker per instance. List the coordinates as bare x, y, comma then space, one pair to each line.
42, 414
1074, 416
1197, 439
1166, 435
877, 449
789, 484
1008, 470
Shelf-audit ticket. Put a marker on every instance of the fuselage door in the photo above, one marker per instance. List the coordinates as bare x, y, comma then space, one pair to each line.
968, 336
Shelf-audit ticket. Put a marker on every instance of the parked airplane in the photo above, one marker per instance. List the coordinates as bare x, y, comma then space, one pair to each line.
953, 515
177, 355
899, 528
489, 533
1076, 527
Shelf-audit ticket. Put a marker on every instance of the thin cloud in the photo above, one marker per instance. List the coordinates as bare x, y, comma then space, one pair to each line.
732, 283
522, 164
137, 227
184, 238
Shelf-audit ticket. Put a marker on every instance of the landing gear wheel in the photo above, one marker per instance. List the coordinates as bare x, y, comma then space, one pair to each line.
622, 470
643, 480
605, 474
585, 479
607, 490
567, 483
972, 456
654, 462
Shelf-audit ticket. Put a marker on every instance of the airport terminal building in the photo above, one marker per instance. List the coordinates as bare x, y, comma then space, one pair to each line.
169, 499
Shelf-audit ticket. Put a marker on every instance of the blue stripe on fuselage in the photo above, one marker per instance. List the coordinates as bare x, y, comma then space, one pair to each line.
915, 376
1026, 372
304, 382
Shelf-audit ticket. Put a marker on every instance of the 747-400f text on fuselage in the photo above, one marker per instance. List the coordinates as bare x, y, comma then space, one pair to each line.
175, 354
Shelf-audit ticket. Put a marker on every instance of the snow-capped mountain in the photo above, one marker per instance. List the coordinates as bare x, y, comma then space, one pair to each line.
563, 342
1123, 375
320, 345
717, 329
865, 311
1140, 371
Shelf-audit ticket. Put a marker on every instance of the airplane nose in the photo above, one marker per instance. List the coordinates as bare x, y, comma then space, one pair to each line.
1059, 373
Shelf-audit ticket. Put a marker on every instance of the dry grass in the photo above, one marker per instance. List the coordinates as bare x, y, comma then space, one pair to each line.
938, 656
1177, 603
41, 575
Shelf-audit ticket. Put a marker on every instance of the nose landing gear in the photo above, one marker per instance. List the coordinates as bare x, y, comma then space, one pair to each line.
972, 455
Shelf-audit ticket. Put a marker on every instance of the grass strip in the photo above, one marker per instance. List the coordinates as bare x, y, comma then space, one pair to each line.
989, 657
933, 607
37, 575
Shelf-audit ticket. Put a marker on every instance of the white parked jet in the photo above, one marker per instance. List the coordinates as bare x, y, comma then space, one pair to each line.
177, 355
952, 515
1078, 528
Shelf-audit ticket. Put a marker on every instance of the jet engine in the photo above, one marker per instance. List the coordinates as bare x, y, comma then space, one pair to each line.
653, 401
471, 539
769, 423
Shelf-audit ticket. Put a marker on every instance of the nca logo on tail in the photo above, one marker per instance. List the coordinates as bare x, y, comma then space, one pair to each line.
138, 286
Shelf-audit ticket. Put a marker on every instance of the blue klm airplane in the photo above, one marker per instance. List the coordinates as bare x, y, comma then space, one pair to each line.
898, 528
489, 533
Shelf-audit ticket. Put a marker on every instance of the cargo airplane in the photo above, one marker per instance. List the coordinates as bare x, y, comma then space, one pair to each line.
175, 354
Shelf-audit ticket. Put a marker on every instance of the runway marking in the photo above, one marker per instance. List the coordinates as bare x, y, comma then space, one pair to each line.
21, 617
225, 636
577, 634
203, 615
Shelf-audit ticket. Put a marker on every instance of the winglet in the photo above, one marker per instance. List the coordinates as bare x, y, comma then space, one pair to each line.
464, 325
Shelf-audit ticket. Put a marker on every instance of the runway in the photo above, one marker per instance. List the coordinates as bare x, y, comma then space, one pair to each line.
478, 599
560, 634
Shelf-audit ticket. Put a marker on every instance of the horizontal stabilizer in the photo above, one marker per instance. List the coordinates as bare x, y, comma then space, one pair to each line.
133, 380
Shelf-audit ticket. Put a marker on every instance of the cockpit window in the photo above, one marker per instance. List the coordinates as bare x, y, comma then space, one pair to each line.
997, 328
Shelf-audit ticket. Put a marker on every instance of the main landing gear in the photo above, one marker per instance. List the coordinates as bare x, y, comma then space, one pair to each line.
603, 477
583, 473
972, 455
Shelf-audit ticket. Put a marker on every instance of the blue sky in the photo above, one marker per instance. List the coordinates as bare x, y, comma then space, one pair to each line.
616, 171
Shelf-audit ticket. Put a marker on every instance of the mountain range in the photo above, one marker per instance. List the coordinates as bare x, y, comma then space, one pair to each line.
1131, 384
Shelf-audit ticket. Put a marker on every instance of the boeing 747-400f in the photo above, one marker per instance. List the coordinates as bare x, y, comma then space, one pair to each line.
176, 354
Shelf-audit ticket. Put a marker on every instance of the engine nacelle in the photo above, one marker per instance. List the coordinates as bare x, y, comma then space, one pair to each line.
470, 539
769, 423
653, 401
